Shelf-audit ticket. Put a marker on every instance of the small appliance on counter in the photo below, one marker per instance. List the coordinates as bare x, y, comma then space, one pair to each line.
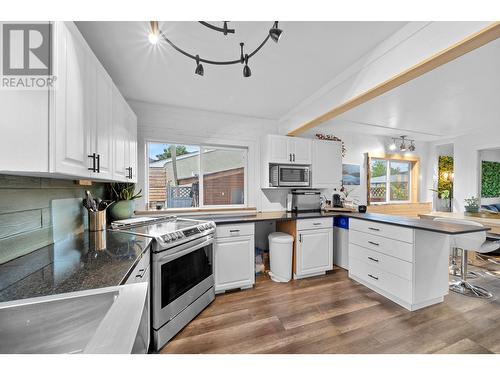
362, 208
306, 200
336, 201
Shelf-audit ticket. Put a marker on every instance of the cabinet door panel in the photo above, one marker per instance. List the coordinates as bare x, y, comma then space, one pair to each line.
120, 138
314, 251
71, 122
300, 149
278, 149
103, 127
234, 263
326, 164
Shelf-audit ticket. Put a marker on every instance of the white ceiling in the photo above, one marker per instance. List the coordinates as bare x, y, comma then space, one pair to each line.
307, 56
461, 97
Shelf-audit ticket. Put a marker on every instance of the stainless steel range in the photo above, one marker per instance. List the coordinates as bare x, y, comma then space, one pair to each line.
182, 265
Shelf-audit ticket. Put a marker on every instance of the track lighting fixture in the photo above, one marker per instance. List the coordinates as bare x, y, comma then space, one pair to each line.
403, 145
274, 33
199, 67
246, 69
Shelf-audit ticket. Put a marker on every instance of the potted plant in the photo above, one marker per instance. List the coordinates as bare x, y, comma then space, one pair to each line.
124, 195
472, 205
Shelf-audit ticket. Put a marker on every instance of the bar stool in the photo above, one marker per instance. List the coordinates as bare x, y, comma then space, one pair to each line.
469, 242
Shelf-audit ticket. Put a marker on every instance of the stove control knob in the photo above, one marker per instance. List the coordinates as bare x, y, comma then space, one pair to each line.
180, 235
175, 235
166, 238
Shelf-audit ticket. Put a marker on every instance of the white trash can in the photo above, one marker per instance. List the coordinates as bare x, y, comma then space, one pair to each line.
280, 256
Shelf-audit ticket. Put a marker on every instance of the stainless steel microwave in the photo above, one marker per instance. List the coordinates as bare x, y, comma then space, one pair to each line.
290, 176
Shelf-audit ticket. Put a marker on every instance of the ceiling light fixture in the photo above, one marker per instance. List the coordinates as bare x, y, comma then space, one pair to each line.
393, 146
274, 33
153, 35
403, 144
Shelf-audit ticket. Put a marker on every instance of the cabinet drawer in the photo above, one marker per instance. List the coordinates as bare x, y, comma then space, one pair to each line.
384, 262
322, 222
394, 248
383, 280
384, 230
235, 230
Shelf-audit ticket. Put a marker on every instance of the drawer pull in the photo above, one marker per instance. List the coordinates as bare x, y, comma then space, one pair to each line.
373, 243
316, 223
375, 260
375, 229
234, 230
373, 277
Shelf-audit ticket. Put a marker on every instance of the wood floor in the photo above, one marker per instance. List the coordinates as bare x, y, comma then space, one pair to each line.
333, 314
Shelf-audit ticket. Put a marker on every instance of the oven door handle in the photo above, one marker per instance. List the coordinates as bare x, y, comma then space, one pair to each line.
185, 249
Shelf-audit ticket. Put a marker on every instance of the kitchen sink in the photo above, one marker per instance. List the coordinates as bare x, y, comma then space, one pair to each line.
107, 320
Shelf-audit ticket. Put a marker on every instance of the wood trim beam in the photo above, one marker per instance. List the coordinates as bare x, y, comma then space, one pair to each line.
464, 46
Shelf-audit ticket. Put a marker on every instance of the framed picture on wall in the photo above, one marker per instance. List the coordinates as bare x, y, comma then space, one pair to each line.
351, 174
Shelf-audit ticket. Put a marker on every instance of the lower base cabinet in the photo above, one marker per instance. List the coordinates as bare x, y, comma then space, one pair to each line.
234, 257
314, 252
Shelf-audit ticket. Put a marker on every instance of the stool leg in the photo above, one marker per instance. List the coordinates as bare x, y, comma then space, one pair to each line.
464, 287
454, 269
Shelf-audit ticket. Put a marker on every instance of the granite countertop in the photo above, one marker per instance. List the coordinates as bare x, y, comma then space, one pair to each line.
221, 219
422, 224
89, 260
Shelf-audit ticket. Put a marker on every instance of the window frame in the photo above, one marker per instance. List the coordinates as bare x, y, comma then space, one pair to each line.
413, 172
201, 205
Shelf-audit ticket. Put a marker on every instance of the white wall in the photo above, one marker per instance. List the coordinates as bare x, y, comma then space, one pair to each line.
185, 125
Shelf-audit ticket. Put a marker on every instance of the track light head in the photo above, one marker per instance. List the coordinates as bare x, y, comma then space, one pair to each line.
246, 69
154, 36
275, 32
199, 67
392, 146
411, 147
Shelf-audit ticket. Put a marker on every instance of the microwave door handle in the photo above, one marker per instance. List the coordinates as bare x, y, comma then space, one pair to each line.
183, 250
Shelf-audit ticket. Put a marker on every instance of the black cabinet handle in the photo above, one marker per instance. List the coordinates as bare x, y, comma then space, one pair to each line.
98, 163
316, 223
375, 260
373, 277
93, 156
300, 237
234, 230
294, 158
375, 229
290, 156
130, 172
129, 169
373, 243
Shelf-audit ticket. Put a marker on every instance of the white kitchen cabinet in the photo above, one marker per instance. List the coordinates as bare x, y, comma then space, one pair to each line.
102, 130
124, 140
326, 168
300, 148
288, 150
69, 130
314, 252
234, 257
408, 266
70, 103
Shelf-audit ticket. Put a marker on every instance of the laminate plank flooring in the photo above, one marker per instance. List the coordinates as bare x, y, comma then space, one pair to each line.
333, 314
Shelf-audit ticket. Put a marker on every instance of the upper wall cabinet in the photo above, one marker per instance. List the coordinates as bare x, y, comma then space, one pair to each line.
72, 130
24, 140
326, 164
288, 150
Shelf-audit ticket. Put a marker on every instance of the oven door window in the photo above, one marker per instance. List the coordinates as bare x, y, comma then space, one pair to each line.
181, 274
292, 175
